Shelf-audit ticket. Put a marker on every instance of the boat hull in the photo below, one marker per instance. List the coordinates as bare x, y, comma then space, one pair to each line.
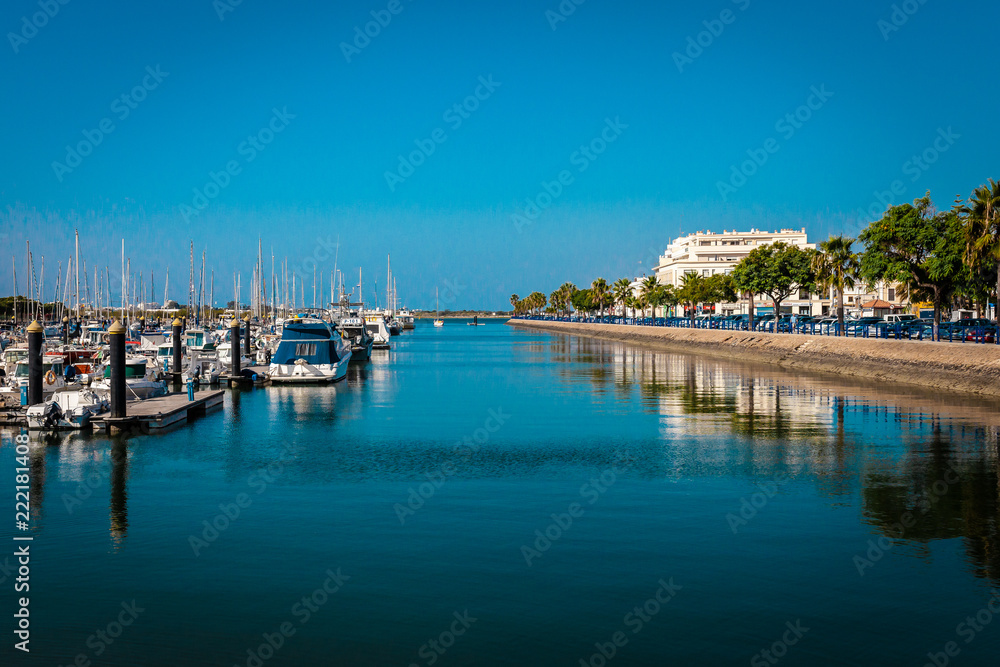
308, 373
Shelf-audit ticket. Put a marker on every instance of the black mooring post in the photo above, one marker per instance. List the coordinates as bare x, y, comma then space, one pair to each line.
116, 341
36, 335
177, 348
246, 337
234, 346
65, 329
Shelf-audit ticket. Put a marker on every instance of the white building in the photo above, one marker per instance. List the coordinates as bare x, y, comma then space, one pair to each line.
710, 253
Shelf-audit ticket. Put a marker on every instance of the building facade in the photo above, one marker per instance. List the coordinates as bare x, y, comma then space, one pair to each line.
710, 253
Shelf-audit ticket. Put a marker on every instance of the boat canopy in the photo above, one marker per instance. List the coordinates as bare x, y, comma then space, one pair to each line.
314, 342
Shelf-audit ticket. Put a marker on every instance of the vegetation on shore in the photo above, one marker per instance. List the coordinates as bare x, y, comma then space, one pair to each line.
943, 257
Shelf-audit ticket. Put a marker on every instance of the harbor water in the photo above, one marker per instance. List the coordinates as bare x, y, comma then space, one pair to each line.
496, 496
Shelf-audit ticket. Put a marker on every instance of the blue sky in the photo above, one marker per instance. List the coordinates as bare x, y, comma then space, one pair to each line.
336, 125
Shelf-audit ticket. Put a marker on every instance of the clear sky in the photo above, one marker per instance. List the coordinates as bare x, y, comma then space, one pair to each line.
644, 126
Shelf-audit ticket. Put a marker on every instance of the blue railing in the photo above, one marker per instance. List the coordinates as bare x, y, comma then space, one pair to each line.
952, 332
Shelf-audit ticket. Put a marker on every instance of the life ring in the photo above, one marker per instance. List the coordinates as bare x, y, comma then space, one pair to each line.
50, 377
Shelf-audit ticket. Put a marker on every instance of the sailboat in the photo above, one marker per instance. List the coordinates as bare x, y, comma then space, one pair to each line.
438, 322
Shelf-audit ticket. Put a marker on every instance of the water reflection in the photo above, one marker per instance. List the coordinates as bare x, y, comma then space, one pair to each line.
903, 452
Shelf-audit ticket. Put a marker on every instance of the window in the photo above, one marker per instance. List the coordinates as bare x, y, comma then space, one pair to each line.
891, 294
305, 349
803, 295
704, 272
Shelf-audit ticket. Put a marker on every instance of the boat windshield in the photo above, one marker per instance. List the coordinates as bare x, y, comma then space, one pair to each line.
22, 369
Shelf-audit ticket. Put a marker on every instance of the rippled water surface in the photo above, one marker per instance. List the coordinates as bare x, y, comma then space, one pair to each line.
491, 496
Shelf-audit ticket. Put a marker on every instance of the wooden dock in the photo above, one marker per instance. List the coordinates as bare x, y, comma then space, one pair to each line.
154, 414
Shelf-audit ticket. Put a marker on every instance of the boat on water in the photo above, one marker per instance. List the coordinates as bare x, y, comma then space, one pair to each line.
406, 319
438, 322
377, 327
204, 367
68, 409
310, 351
395, 327
53, 378
361, 340
141, 381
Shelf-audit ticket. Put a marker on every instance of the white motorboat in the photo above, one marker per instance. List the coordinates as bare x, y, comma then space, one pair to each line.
311, 351
141, 381
68, 409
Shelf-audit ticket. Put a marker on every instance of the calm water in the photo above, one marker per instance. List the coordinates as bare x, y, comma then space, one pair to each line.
749, 500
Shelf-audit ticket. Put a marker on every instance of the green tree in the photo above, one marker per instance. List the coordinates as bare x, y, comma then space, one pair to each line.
582, 301
514, 298
600, 294
691, 292
836, 267
915, 245
647, 293
777, 270
621, 292
982, 227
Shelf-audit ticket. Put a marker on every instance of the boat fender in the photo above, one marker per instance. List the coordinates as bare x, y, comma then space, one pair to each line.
50, 377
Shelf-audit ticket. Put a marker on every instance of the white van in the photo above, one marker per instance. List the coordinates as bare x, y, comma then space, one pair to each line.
896, 319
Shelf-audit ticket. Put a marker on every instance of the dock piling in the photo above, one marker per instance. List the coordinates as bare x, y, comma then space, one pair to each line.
246, 336
116, 341
234, 347
65, 323
36, 335
177, 348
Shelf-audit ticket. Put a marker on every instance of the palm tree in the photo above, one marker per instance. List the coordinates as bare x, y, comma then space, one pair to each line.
982, 227
567, 290
647, 292
837, 268
600, 292
621, 291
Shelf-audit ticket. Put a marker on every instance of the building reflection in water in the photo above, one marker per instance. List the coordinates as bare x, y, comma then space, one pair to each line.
891, 449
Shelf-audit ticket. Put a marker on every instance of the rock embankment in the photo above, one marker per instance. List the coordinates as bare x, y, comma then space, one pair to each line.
965, 367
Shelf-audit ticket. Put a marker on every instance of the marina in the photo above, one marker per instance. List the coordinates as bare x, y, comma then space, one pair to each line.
558, 333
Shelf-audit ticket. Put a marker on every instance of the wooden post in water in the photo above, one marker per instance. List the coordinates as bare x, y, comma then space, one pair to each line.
234, 347
177, 348
116, 343
246, 336
36, 335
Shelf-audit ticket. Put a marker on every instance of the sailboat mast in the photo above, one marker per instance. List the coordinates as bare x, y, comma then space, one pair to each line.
77, 267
